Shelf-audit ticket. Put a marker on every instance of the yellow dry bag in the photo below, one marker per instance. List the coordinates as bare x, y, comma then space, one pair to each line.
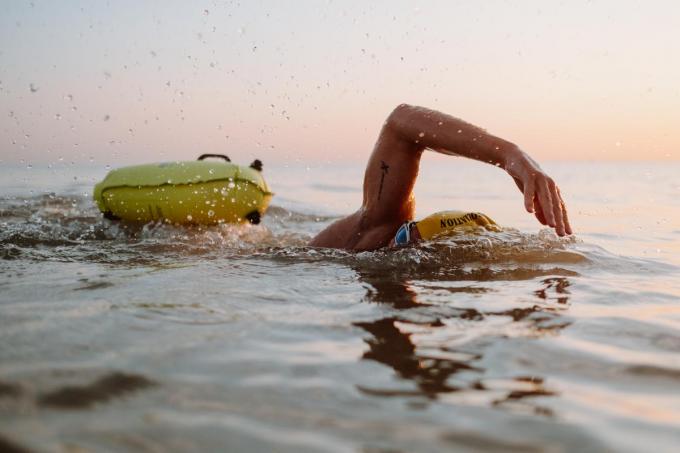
188, 192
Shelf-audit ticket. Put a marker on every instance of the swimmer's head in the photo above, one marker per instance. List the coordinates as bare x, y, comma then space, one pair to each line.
444, 223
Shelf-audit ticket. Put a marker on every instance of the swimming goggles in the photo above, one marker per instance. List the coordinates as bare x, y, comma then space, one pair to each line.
403, 236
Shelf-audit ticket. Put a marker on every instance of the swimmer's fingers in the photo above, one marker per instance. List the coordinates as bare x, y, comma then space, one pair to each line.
567, 225
557, 206
529, 196
545, 198
528, 191
539, 211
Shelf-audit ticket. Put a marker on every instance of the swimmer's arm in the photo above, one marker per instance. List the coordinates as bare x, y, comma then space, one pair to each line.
423, 128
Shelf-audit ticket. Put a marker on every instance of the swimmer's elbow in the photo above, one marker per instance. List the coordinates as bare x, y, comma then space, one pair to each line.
398, 117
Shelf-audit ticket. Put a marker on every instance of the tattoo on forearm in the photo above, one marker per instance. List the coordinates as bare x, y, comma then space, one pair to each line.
385, 169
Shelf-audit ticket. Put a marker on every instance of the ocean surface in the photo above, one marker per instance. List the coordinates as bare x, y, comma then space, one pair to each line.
241, 338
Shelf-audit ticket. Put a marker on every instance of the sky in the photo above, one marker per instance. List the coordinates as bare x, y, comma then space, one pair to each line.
125, 81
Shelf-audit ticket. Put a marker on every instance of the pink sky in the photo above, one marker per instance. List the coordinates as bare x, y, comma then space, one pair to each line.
128, 83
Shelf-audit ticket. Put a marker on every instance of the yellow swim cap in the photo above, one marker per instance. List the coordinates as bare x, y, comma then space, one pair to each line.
447, 222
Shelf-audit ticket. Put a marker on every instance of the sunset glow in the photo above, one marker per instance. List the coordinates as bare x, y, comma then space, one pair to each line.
125, 82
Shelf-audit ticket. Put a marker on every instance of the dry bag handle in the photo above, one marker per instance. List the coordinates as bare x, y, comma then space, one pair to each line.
219, 156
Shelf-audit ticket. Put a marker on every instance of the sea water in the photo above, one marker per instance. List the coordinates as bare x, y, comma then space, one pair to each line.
241, 338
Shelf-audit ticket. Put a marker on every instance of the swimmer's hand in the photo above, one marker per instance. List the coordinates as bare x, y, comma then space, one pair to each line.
541, 195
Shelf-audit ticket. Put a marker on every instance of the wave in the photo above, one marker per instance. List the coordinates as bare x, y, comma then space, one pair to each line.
70, 228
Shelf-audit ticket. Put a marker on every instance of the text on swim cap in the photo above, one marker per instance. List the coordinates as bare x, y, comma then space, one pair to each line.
444, 223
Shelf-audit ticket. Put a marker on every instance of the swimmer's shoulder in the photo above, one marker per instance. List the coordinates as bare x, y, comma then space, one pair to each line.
353, 233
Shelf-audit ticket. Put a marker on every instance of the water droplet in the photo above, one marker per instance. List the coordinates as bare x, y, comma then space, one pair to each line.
460, 131
440, 123
189, 218
422, 134
211, 171
211, 213
57, 116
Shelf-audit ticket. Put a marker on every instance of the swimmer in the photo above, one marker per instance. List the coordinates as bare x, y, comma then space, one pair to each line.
388, 201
